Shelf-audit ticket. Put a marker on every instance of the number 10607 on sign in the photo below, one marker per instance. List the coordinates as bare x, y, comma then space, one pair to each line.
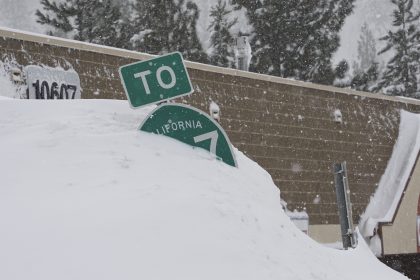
45, 90
50, 83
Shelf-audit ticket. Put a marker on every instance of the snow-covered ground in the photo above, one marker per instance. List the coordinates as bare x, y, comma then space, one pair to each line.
84, 195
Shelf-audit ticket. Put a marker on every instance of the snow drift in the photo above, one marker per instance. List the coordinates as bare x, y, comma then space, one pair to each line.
84, 195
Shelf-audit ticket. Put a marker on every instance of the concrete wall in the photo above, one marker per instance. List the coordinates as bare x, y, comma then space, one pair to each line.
285, 125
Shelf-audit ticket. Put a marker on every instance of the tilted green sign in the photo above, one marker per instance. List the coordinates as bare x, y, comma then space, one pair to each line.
191, 126
155, 80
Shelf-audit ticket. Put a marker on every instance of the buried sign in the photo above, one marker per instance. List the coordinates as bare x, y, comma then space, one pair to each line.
52, 83
191, 126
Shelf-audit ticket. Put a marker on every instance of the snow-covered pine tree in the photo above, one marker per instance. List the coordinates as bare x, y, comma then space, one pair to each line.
104, 24
185, 36
365, 80
296, 38
167, 26
125, 27
365, 69
400, 76
94, 21
222, 51
366, 50
342, 78
151, 26
59, 19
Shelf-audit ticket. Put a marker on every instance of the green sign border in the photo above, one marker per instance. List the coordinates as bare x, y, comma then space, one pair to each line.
160, 100
201, 113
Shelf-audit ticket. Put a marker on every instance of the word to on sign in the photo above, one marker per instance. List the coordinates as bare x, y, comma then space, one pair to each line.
155, 80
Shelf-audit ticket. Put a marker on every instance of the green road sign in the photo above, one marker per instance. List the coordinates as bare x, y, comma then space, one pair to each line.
155, 80
191, 126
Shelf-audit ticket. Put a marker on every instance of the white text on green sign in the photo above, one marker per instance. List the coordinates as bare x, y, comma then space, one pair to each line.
155, 80
191, 126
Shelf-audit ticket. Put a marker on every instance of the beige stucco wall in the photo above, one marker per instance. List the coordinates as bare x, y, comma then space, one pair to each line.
325, 233
400, 236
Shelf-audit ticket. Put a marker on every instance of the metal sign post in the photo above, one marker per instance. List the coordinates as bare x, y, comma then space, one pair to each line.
344, 205
418, 226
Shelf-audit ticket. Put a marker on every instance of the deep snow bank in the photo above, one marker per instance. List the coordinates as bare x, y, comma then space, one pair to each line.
83, 195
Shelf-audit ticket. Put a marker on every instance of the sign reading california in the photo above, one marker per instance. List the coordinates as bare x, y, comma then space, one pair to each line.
191, 126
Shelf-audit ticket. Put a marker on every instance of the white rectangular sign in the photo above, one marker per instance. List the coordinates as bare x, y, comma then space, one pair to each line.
51, 83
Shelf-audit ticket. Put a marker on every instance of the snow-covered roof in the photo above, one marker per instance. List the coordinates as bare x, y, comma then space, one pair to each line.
384, 203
